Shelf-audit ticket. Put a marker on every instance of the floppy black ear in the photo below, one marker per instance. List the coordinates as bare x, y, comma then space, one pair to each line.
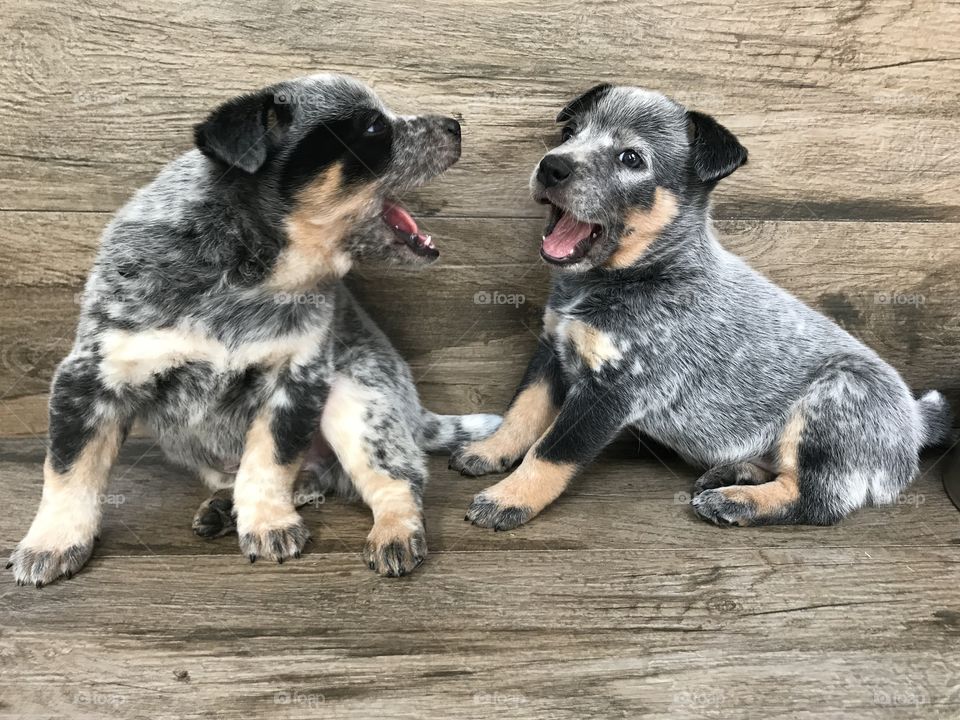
715, 151
243, 131
583, 102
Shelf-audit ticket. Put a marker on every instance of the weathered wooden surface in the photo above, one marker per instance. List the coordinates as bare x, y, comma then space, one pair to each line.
616, 602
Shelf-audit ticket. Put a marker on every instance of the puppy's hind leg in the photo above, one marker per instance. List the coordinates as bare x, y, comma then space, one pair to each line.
844, 446
741, 473
380, 455
87, 427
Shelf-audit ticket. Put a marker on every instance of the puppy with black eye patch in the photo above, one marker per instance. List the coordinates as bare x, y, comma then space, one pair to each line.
215, 315
652, 325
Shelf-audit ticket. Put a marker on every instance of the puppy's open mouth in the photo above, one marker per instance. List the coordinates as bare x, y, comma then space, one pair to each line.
566, 239
406, 231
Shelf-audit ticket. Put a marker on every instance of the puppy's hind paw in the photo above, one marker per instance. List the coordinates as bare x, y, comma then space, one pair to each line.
39, 567
716, 507
214, 518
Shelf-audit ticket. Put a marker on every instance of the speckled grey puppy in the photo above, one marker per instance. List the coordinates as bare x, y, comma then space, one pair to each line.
651, 324
215, 314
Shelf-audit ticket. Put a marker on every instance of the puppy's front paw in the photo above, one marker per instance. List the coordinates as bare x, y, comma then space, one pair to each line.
395, 548
716, 507
471, 460
41, 566
277, 541
488, 512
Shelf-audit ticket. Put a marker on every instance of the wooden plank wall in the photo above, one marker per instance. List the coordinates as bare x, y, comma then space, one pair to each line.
849, 110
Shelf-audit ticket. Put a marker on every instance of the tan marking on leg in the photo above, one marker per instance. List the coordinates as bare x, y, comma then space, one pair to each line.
772, 498
71, 505
592, 345
550, 322
530, 414
397, 515
769, 498
263, 490
642, 227
534, 484
316, 228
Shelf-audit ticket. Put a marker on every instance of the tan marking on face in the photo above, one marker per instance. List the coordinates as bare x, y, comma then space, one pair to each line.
322, 219
642, 227
396, 510
528, 416
550, 322
134, 358
592, 345
70, 509
534, 484
263, 489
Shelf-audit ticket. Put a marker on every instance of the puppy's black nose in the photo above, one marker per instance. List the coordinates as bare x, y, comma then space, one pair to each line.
452, 127
553, 170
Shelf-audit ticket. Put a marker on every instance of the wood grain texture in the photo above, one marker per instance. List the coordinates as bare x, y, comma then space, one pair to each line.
848, 109
614, 603
469, 324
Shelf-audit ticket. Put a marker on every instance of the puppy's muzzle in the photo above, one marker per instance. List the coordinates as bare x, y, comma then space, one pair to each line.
553, 171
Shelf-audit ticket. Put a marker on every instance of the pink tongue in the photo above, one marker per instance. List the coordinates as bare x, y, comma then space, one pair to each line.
563, 240
396, 216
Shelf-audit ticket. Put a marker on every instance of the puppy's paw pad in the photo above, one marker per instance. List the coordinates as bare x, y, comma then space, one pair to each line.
278, 543
714, 506
38, 567
486, 512
397, 556
473, 464
214, 518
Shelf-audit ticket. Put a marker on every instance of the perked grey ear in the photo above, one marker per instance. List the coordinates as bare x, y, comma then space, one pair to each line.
715, 151
243, 131
583, 102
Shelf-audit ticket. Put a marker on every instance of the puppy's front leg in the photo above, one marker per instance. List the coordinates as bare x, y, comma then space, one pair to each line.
268, 523
87, 426
533, 408
590, 418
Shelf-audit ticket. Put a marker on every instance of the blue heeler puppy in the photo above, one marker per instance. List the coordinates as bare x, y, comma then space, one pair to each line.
651, 324
216, 316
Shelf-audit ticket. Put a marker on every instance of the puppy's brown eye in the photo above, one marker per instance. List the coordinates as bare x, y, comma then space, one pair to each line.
631, 158
566, 134
376, 125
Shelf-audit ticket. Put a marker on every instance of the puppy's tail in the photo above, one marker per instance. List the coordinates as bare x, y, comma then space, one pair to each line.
937, 419
445, 433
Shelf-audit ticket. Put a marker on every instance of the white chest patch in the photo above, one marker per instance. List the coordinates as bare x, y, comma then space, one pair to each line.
133, 358
594, 347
